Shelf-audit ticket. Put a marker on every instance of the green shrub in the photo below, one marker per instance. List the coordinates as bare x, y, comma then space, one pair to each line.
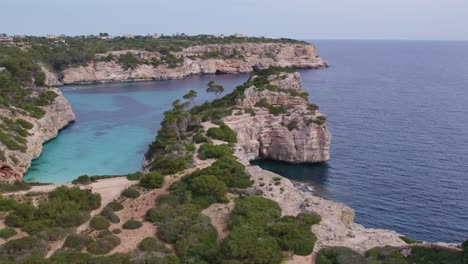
103, 245
132, 224
131, 193
17, 186
72, 257
198, 242
183, 216
254, 211
209, 185
293, 236
23, 247
110, 215
422, 255
338, 255
99, 222
152, 180
190, 147
153, 245
7, 233
251, 245
223, 132
199, 138
84, 179
313, 107
117, 258
168, 199
115, 206
134, 176
320, 120
53, 234
292, 125
277, 110
169, 166
24, 124
128, 61
409, 240
250, 111
104, 233
77, 241
117, 231
385, 255
65, 207
85, 199
159, 214
210, 151
155, 258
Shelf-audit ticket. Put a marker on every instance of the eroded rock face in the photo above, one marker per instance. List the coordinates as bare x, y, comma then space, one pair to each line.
336, 228
58, 115
292, 137
265, 135
250, 55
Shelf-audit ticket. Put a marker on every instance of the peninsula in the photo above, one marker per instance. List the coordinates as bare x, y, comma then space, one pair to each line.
196, 199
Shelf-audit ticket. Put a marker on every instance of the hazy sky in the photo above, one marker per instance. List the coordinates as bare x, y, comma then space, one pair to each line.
315, 19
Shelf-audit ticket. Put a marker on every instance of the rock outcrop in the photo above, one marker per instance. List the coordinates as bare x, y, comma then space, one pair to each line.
58, 114
232, 58
293, 136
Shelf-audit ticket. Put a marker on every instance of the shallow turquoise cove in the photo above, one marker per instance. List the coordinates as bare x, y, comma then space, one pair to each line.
114, 125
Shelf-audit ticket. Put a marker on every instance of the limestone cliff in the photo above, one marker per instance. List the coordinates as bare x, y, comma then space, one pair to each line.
261, 134
229, 58
58, 114
293, 136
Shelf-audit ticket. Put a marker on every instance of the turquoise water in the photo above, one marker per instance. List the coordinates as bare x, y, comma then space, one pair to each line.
114, 125
397, 112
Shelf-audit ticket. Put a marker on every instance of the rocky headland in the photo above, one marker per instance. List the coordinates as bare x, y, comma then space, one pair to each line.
201, 59
295, 136
266, 135
57, 115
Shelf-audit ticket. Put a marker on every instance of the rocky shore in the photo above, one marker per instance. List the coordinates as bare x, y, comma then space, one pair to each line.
265, 135
233, 58
57, 116
293, 137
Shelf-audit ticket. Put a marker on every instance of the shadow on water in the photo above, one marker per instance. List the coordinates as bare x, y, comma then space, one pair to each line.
313, 174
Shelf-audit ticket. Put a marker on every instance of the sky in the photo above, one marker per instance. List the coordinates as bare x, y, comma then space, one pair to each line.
300, 19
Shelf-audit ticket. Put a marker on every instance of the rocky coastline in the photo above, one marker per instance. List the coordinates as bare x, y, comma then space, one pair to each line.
233, 58
265, 135
57, 116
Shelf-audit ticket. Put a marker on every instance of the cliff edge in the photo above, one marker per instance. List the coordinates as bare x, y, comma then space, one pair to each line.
15, 162
279, 123
201, 59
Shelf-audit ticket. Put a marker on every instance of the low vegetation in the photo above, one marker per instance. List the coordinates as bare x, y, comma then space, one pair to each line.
152, 180
99, 222
131, 193
341, 255
132, 224
64, 207
223, 132
7, 232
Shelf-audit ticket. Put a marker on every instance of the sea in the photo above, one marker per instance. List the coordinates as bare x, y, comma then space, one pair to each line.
397, 112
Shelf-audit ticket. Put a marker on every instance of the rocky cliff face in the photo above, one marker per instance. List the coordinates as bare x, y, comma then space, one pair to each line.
58, 115
293, 136
265, 135
231, 58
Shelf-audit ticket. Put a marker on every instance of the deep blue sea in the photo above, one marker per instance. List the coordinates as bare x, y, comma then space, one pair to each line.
397, 111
